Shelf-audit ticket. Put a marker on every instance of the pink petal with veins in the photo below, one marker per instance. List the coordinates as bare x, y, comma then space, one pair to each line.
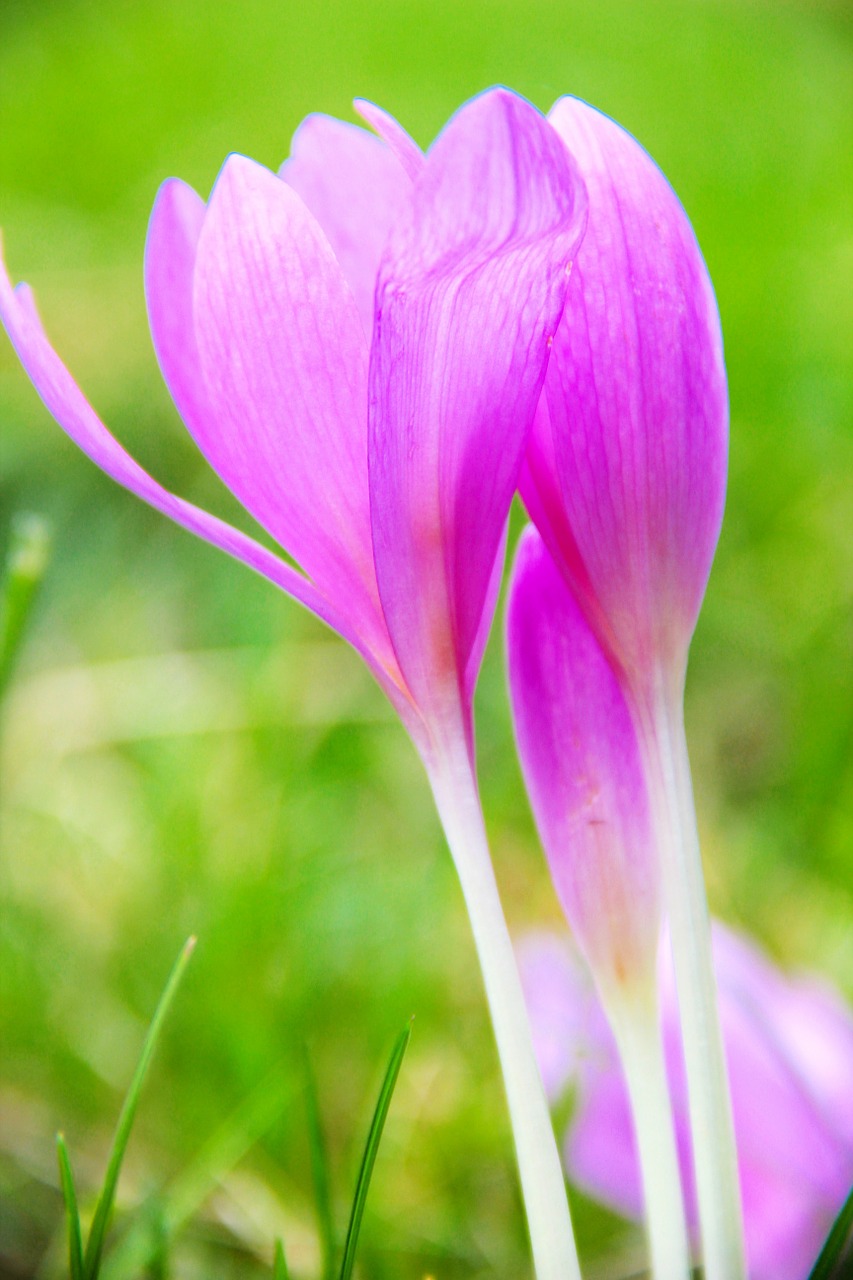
356, 188
405, 148
284, 359
66, 402
637, 396
470, 291
582, 766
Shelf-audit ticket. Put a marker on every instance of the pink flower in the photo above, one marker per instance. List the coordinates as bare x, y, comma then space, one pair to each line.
626, 468
789, 1046
625, 479
359, 355
357, 346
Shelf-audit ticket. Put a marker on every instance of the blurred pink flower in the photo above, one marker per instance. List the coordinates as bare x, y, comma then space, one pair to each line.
789, 1047
358, 354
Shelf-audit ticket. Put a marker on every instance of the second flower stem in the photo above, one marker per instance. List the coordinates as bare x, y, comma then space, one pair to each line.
711, 1123
542, 1182
638, 1036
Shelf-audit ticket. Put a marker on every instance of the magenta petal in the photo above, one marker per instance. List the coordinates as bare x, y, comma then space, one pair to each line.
805, 1021
470, 290
571, 1037
600, 1149
404, 147
65, 401
355, 188
637, 394
542, 494
582, 766
170, 249
284, 359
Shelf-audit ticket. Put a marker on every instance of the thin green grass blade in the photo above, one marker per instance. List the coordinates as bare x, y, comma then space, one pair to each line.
26, 562
827, 1266
189, 1189
279, 1266
157, 1262
319, 1168
368, 1160
95, 1243
72, 1212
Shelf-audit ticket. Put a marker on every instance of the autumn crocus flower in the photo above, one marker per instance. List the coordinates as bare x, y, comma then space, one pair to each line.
581, 763
357, 347
789, 1046
625, 479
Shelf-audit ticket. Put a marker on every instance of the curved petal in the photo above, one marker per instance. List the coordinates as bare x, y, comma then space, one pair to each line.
805, 1021
582, 765
355, 187
404, 147
600, 1148
284, 361
540, 490
637, 394
571, 1037
469, 294
170, 249
66, 402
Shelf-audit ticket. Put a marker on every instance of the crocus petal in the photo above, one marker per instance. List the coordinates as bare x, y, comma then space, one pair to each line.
66, 402
355, 187
637, 394
407, 151
469, 293
170, 249
284, 359
804, 1018
568, 1026
581, 762
541, 492
600, 1148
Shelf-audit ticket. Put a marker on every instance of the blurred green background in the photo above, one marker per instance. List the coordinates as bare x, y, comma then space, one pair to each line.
185, 751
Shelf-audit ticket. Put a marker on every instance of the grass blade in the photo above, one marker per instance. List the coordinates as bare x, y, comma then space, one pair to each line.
279, 1266
368, 1159
189, 1189
95, 1243
26, 562
832, 1253
319, 1168
72, 1212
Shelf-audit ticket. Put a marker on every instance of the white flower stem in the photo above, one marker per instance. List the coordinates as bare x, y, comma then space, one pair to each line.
712, 1128
542, 1181
636, 1027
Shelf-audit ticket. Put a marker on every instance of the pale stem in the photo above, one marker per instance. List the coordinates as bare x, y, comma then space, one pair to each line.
542, 1181
636, 1027
712, 1127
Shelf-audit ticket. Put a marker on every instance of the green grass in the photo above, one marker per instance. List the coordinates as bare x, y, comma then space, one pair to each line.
87, 1263
185, 752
